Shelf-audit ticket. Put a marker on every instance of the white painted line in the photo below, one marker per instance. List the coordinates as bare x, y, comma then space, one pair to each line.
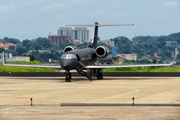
114, 96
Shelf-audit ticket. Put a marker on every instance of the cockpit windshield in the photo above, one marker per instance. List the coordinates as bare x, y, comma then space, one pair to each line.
68, 56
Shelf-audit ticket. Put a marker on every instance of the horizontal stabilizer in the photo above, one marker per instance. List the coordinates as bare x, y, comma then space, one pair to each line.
104, 25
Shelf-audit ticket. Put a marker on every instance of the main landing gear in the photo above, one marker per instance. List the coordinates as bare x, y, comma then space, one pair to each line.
95, 72
68, 76
99, 74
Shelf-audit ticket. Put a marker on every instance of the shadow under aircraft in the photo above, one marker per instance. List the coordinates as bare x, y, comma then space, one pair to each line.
83, 60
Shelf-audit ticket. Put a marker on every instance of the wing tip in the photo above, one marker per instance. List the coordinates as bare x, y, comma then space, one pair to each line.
3, 59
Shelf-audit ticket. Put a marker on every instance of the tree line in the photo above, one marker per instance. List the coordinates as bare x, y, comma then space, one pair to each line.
149, 45
141, 45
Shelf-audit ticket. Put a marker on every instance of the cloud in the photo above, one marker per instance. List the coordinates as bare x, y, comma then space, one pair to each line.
24, 32
32, 2
54, 6
173, 4
76, 2
118, 15
6, 8
105, 14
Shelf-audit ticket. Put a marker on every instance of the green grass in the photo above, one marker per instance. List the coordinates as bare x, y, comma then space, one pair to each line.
31, 62
24, 69
144, 69
127, 69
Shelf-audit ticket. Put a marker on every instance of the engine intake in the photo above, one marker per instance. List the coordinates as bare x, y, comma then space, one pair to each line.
102, 51
69, 48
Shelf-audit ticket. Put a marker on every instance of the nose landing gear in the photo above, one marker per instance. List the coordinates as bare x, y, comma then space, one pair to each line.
68, 76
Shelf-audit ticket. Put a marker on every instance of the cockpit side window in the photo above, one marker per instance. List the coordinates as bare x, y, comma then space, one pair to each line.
68, 56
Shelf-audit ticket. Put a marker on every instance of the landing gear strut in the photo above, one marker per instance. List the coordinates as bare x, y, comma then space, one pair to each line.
68, 76
99, 74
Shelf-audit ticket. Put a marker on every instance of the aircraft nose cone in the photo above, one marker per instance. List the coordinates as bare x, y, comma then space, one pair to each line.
68, 64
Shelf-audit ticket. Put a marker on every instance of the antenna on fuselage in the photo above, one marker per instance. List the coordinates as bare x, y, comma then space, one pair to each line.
95, 32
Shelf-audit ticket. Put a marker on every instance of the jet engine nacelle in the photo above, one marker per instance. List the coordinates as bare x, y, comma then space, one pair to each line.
69, 48
102, 51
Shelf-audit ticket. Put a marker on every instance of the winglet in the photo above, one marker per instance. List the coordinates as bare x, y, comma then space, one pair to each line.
3, 58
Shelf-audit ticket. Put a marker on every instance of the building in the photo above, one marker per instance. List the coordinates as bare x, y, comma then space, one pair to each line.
77, 42
79, 33
39, 51
158, 57
176, 52
113, 60
128, 56
104, 62
108, 42
14, 58
65, 31
56, 39
6, 46
1, 44
59, 51
131, 40
123, 56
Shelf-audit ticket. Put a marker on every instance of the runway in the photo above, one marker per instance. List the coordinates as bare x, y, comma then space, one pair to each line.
49, 92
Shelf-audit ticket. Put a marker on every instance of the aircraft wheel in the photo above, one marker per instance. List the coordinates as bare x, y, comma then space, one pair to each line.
67, 78
70, 75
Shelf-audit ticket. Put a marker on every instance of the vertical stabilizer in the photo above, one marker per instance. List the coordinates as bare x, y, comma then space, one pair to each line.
95, 36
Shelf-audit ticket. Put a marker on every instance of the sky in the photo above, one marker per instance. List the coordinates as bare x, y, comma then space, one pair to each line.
30, 19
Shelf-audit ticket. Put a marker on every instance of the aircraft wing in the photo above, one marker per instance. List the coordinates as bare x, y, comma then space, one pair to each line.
28, 65
119, 66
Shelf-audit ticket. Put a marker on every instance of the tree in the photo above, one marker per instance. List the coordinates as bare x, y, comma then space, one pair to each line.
2, 41
26, 43
65, 43
1, 50
14, 53
178, 57
33, 44
154, 60
12, 47
160, 62
20, 50
32, 57
44, 42
11, 40
84, 45
37, 46
30, 48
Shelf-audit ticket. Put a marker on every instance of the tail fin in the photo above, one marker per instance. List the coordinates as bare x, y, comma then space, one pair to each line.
95, 34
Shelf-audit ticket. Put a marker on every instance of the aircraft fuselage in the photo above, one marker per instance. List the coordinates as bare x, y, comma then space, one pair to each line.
87, 56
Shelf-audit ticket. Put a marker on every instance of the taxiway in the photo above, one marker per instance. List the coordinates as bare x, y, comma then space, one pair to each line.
49, 92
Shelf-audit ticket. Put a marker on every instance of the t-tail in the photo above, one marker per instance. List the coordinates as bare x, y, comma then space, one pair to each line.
95, 32
95, 36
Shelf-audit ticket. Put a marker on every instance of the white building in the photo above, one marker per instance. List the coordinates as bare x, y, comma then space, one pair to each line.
79, 33
128, 56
